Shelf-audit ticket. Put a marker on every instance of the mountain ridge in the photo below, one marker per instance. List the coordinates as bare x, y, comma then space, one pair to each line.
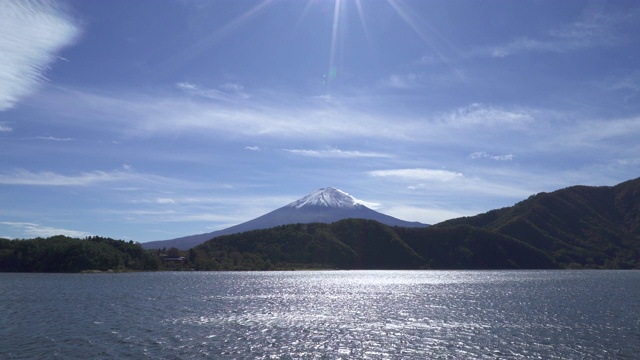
571, 228
325, 205
576, 227
601, 222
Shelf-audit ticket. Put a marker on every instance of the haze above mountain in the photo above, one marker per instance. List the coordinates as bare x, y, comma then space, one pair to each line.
325, 205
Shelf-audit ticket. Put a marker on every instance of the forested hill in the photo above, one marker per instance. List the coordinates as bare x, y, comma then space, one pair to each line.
65, 254
367, 244
590, 226
576, 227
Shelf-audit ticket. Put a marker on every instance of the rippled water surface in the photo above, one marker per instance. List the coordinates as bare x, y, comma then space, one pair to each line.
322, 315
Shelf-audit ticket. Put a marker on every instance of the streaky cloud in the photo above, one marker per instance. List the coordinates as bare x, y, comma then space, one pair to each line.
403, 81
157, 114
454, 183
49, 178
336, 153
31, 35
434, 214
596, 31
484, 155
52, 138
37, 230
487, 116
418, 174
229, 92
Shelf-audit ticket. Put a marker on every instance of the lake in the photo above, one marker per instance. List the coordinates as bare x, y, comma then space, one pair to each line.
322, 315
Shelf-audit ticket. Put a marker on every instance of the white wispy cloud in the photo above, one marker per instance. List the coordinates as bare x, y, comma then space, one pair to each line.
232, 87
49, 178
173, 216
428, 214
492, 128
418, 174
264, 117
424, 80
336, 153
219, 201
597, 31
165, 201
634, 161
31, 34
252, 148
403, 81
452, 184
216, 217
5, 128
226, 91
194, 89
484, 115
52, 138
484, 155
600, 132
37, 230
627, 85
370, 204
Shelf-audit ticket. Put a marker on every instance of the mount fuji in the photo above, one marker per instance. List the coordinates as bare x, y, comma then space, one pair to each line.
324, 205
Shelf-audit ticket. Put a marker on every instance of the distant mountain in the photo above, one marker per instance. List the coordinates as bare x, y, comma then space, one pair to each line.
576, 227
324, 205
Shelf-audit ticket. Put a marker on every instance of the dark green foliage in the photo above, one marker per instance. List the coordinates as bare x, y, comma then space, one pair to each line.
282, 247
367, 244
377, 246
65, 254
580, 226
466, 247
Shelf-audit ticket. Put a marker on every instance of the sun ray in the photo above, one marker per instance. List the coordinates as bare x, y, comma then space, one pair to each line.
412, 22
218, 35
305, 11
234, 24
333, 71
363, 22
418, 25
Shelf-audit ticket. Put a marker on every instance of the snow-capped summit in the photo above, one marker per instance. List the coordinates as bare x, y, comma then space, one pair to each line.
328, 197
324, 205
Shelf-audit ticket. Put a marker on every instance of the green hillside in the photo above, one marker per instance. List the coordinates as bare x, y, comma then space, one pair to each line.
346, 244
579, 225
366, 244
576, 227
65, 254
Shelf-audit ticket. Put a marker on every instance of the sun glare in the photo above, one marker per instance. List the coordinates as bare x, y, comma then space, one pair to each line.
340, 11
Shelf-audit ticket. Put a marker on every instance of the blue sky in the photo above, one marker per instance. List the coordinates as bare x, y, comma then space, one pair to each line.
150, 120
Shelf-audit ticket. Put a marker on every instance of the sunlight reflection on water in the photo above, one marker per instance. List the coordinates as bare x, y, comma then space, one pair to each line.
325, 314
